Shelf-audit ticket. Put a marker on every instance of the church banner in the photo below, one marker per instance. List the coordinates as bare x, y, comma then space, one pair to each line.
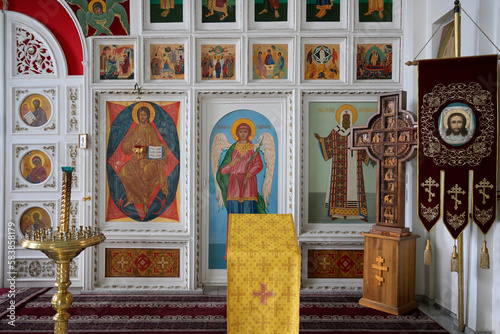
457, 142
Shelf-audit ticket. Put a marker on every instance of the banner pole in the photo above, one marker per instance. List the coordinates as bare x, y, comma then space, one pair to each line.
461, 325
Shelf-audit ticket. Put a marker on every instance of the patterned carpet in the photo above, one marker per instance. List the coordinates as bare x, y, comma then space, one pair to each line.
176, 314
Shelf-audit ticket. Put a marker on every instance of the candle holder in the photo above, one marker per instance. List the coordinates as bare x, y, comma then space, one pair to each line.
62, 247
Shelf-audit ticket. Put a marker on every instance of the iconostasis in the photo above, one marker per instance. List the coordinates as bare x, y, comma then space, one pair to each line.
190, 111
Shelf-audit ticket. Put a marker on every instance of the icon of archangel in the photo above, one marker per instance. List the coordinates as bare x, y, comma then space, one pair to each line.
235, 168
142, 161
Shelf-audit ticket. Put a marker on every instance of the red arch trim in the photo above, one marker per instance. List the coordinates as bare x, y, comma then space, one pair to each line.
55, 17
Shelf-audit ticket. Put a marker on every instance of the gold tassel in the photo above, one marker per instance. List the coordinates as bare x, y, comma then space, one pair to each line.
484, 262
454, 260
428, 253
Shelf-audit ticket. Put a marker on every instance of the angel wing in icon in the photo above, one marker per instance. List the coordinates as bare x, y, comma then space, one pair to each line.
235, 168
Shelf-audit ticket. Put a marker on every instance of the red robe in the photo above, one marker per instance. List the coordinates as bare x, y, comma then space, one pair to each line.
335, 147
238, 189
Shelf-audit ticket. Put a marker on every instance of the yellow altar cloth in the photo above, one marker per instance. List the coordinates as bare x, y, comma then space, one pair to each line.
263, 274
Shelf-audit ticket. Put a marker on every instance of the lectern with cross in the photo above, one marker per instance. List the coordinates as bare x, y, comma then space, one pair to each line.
389, 256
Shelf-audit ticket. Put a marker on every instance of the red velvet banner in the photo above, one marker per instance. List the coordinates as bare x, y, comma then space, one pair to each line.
457, 128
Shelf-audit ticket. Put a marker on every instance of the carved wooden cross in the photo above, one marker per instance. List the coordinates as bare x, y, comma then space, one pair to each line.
379, 266
390, 138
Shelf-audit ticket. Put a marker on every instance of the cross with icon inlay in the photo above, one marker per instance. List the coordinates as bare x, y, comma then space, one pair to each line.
390, 138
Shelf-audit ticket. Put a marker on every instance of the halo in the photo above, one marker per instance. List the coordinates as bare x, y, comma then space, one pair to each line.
36, 155
36, 98
33, 213
238, 122
369, 52
148, 105
458, 110
353, 111
91, 4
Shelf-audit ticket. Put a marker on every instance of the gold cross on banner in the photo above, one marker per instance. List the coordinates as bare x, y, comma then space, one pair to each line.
427, 185
455, 191
483, 185
380, 260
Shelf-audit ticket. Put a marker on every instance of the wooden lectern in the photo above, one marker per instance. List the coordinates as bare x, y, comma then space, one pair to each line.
390, 248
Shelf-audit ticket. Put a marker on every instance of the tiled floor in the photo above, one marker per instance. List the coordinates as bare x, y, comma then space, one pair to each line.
447, 320
443, 317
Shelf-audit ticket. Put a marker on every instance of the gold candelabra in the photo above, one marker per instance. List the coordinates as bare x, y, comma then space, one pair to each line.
62, 246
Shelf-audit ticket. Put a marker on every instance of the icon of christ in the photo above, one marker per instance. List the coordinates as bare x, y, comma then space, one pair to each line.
143, 162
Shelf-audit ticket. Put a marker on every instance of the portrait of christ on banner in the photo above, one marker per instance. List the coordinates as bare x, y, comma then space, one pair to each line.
142, 161
457, 124
342, 187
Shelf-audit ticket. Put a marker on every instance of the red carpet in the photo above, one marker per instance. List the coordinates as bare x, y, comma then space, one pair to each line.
176, 314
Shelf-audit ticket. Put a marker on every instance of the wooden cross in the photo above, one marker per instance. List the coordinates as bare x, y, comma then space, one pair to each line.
390, 138
380, 260
263, 294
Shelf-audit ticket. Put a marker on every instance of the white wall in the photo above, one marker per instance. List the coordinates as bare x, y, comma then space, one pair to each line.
482, 296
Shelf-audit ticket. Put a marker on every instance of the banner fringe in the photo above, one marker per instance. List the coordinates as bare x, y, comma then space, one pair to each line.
454, 260
484, 262
428, 253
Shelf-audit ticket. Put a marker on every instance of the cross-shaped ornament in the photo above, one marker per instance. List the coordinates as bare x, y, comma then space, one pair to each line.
263, 294
454, 192
379, 266
427, 185
482, 189
122, 262
390, 138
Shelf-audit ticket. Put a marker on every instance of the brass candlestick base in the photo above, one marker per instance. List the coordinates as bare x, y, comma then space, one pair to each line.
62, 247
62, 251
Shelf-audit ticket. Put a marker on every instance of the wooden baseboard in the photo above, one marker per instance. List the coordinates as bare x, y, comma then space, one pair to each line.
388, 308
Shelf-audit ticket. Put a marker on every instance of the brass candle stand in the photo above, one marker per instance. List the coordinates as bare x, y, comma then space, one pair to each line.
62, 246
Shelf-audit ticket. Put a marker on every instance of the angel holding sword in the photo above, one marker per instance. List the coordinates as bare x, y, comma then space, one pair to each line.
235, 177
